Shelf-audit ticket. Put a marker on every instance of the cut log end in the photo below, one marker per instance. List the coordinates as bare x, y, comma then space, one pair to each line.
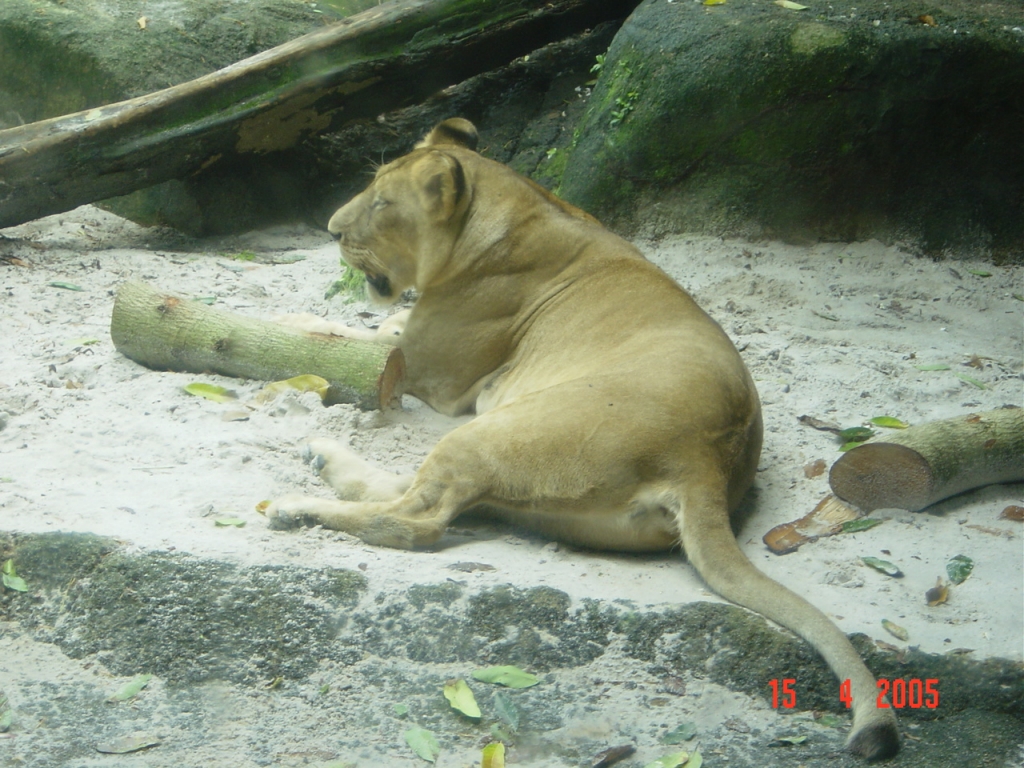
883, 476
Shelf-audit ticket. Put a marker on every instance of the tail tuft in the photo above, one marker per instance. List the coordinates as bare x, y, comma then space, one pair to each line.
877, 741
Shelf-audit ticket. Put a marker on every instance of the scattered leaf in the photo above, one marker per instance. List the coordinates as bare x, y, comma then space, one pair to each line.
788, 4
461, 698
500, 734
210, 392
822, 315
938, 594
829, 721
423, 743
928, 20
814, 469
510, 677
84, 342
470, 567
305, 383
714, 2
890, 422
884, 566
506, 710
126, 744
856, 434
142, 21
612, 755
66, 286
970, 380
400, 710
208, 300
980, 272
238, 415
679, 734
6, 714
261, 506
674, 760
131, 688
863, 524
959, 568
787, 741
493, 755
223, 522
932, 367
1018, 296
895, 630
11, 579
1012, 512
819, 424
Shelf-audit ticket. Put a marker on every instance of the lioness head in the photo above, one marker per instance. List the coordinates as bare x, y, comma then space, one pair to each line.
401, 229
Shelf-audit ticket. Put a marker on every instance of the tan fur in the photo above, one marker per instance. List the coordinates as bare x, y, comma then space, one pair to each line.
612, 412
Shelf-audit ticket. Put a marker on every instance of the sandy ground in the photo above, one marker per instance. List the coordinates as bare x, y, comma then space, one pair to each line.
91, 441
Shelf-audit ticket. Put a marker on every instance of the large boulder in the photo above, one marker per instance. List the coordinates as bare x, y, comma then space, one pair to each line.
843, 120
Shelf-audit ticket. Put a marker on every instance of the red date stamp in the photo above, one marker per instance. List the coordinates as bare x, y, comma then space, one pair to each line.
892, 694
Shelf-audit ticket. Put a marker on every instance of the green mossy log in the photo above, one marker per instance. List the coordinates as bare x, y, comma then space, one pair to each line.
917, 467
167, 332
378, 60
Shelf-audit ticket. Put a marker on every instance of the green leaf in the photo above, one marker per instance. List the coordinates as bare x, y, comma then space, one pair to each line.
980, 272
824, 316
11, 579
889, 422
856, 434
792, 739
6, 717
423, 743
126, 744
673, 760
461, 698
830, 721
210, 392
208, 300
959, 568
863, 524
884, 566
400, 710
222, 522
65, 286
500, 734
131, 688
970, 380
506, 710
493, 755
932, 367
788, 4
895, 630
1018, 296
510, 677
679, 734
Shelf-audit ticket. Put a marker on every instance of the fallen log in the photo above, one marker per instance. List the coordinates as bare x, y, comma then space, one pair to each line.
916, 467
166, 332
372, 62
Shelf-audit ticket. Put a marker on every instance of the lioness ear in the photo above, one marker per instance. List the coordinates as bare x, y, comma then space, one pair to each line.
455, 131
444, 184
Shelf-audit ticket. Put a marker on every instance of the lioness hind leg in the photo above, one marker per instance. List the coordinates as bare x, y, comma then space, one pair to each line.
351, 477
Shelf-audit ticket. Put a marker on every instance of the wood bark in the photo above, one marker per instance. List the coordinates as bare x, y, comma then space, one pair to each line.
381, 59
167, 332
919, 466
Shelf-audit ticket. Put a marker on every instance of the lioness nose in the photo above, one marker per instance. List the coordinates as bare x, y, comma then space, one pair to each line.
335, 235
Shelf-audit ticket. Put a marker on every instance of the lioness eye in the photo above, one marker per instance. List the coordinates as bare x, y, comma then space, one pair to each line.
379, 203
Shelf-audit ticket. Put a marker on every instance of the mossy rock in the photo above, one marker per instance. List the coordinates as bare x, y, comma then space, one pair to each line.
850, 121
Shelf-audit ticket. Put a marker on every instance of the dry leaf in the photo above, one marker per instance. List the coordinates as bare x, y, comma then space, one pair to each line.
938, 594
814, 468
1012, 512
824, 426
612, 755
926, 19
895, 630
142, 21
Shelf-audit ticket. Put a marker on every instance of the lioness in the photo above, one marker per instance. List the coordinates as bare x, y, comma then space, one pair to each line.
612, 412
